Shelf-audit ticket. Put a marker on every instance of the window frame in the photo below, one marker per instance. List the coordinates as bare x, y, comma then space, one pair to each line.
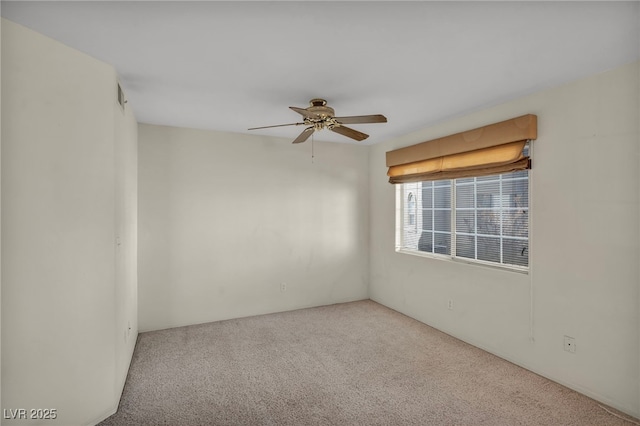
452, 257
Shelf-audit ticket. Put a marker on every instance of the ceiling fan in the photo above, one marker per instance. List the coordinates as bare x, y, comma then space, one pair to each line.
319, 116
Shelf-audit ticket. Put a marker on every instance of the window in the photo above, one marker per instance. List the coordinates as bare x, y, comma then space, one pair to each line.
465, 196
480, 219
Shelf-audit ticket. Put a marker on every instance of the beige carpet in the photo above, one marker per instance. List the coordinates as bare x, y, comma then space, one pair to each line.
356, 363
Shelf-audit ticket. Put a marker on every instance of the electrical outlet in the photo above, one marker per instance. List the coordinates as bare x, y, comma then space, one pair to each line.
570, 344
450, 305
283, 287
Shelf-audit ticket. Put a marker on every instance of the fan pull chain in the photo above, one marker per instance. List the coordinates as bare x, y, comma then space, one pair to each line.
312, 152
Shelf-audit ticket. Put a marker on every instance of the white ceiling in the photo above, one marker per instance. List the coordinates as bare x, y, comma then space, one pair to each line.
233, 65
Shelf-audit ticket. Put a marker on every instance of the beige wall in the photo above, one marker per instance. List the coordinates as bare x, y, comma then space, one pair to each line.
226, 218
126, 240
63, 139
0, 221
584, 245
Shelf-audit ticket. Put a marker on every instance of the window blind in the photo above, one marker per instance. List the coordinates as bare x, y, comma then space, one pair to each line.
489, 150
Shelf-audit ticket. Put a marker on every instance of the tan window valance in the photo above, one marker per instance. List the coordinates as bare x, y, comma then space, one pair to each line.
496, 148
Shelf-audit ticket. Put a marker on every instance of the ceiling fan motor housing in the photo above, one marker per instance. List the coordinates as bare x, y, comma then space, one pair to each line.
319, 107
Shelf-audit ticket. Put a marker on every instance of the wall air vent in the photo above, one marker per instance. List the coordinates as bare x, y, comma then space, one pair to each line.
121, 100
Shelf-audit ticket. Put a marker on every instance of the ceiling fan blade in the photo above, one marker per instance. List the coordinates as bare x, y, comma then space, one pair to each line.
357, 119
304, 135
303, 112
277, 125
350, 133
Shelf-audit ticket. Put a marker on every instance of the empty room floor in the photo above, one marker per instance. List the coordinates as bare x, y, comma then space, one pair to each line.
356, 363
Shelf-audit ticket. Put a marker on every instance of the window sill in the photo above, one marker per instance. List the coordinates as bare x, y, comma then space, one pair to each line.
480, 263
